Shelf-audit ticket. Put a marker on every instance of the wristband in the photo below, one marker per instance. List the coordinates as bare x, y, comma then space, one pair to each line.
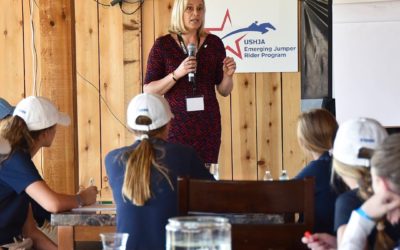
173, 76
363, 214
79, 200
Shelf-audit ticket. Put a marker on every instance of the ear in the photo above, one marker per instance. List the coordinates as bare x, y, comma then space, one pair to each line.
42, 136
43, 133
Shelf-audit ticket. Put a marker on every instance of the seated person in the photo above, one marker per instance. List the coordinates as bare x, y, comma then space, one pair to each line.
385, 171
143, 176
32, 126
40, 215
316, 130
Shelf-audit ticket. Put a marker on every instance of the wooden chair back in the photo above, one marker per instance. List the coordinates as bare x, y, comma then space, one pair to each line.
288, 198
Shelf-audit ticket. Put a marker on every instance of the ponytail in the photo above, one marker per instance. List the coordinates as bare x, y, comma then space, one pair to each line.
136, 186
360, 173
15, 131
382, 240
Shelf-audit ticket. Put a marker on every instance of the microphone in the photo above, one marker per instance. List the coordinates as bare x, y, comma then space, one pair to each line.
191, 52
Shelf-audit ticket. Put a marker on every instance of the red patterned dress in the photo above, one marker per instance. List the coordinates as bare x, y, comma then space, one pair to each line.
199, 129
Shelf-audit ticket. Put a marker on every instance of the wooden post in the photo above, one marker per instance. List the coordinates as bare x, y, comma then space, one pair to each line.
57, 59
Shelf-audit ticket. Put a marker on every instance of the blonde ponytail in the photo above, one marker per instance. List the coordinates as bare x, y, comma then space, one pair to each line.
136, 186
382, 240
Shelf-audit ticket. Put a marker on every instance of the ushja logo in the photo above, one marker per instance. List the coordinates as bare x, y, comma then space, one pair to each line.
262, 28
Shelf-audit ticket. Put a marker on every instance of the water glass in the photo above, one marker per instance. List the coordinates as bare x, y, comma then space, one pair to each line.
214, 169
198, 233
114, 241
284, 176
267, 176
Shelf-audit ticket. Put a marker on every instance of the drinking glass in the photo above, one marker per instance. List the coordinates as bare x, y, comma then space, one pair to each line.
267, 176
114, 241
284, 176
214, 169
198, 233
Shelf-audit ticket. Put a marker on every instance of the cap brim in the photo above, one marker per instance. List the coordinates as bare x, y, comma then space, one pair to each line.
6, 112
63, 119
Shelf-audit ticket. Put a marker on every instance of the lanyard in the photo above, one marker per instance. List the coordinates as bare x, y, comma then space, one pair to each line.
183, 46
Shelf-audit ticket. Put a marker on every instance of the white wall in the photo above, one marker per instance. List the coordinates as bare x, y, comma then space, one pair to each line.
366, 60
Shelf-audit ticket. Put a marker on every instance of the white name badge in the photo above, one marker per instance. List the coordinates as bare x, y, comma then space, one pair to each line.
195, 103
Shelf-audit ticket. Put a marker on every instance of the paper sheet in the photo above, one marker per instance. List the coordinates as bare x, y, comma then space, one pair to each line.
95, 208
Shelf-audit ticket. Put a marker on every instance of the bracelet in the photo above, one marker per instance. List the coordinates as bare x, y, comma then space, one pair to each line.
79, 200
363, 214
173, 76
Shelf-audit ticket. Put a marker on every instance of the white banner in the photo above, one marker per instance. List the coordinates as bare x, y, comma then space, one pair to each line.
261, 35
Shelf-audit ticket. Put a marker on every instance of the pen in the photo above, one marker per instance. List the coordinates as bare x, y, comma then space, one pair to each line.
104, 202
91, 182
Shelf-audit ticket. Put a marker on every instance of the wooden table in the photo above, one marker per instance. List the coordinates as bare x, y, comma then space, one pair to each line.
83, 226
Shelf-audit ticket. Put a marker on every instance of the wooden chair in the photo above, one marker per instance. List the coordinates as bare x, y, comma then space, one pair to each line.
268, 197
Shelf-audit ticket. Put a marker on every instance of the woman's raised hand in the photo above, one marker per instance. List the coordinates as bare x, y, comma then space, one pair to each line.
229, 66
379, 204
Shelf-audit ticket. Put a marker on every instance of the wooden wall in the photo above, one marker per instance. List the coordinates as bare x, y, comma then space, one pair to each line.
90, 61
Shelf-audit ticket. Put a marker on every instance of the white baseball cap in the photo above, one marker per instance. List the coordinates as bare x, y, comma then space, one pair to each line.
5, 147
354, 135
152, 106
40, 113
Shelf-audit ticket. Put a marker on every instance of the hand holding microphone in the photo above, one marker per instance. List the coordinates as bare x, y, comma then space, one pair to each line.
188, 66
191, 53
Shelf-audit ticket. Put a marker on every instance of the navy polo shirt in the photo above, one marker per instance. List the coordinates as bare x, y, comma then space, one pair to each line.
16, 174
146, 224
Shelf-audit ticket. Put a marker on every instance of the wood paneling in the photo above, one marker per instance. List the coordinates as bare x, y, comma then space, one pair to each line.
65, 237
120, 77
244, 136
269, 123
225, 152
147, 31
32, 57
132, 55
293, 159
162, 11
32, 53
87, 85
11, 51
112, 89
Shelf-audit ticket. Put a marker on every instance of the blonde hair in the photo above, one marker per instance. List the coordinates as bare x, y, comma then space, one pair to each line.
361, 174
136, 186
316, 130
177, 25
